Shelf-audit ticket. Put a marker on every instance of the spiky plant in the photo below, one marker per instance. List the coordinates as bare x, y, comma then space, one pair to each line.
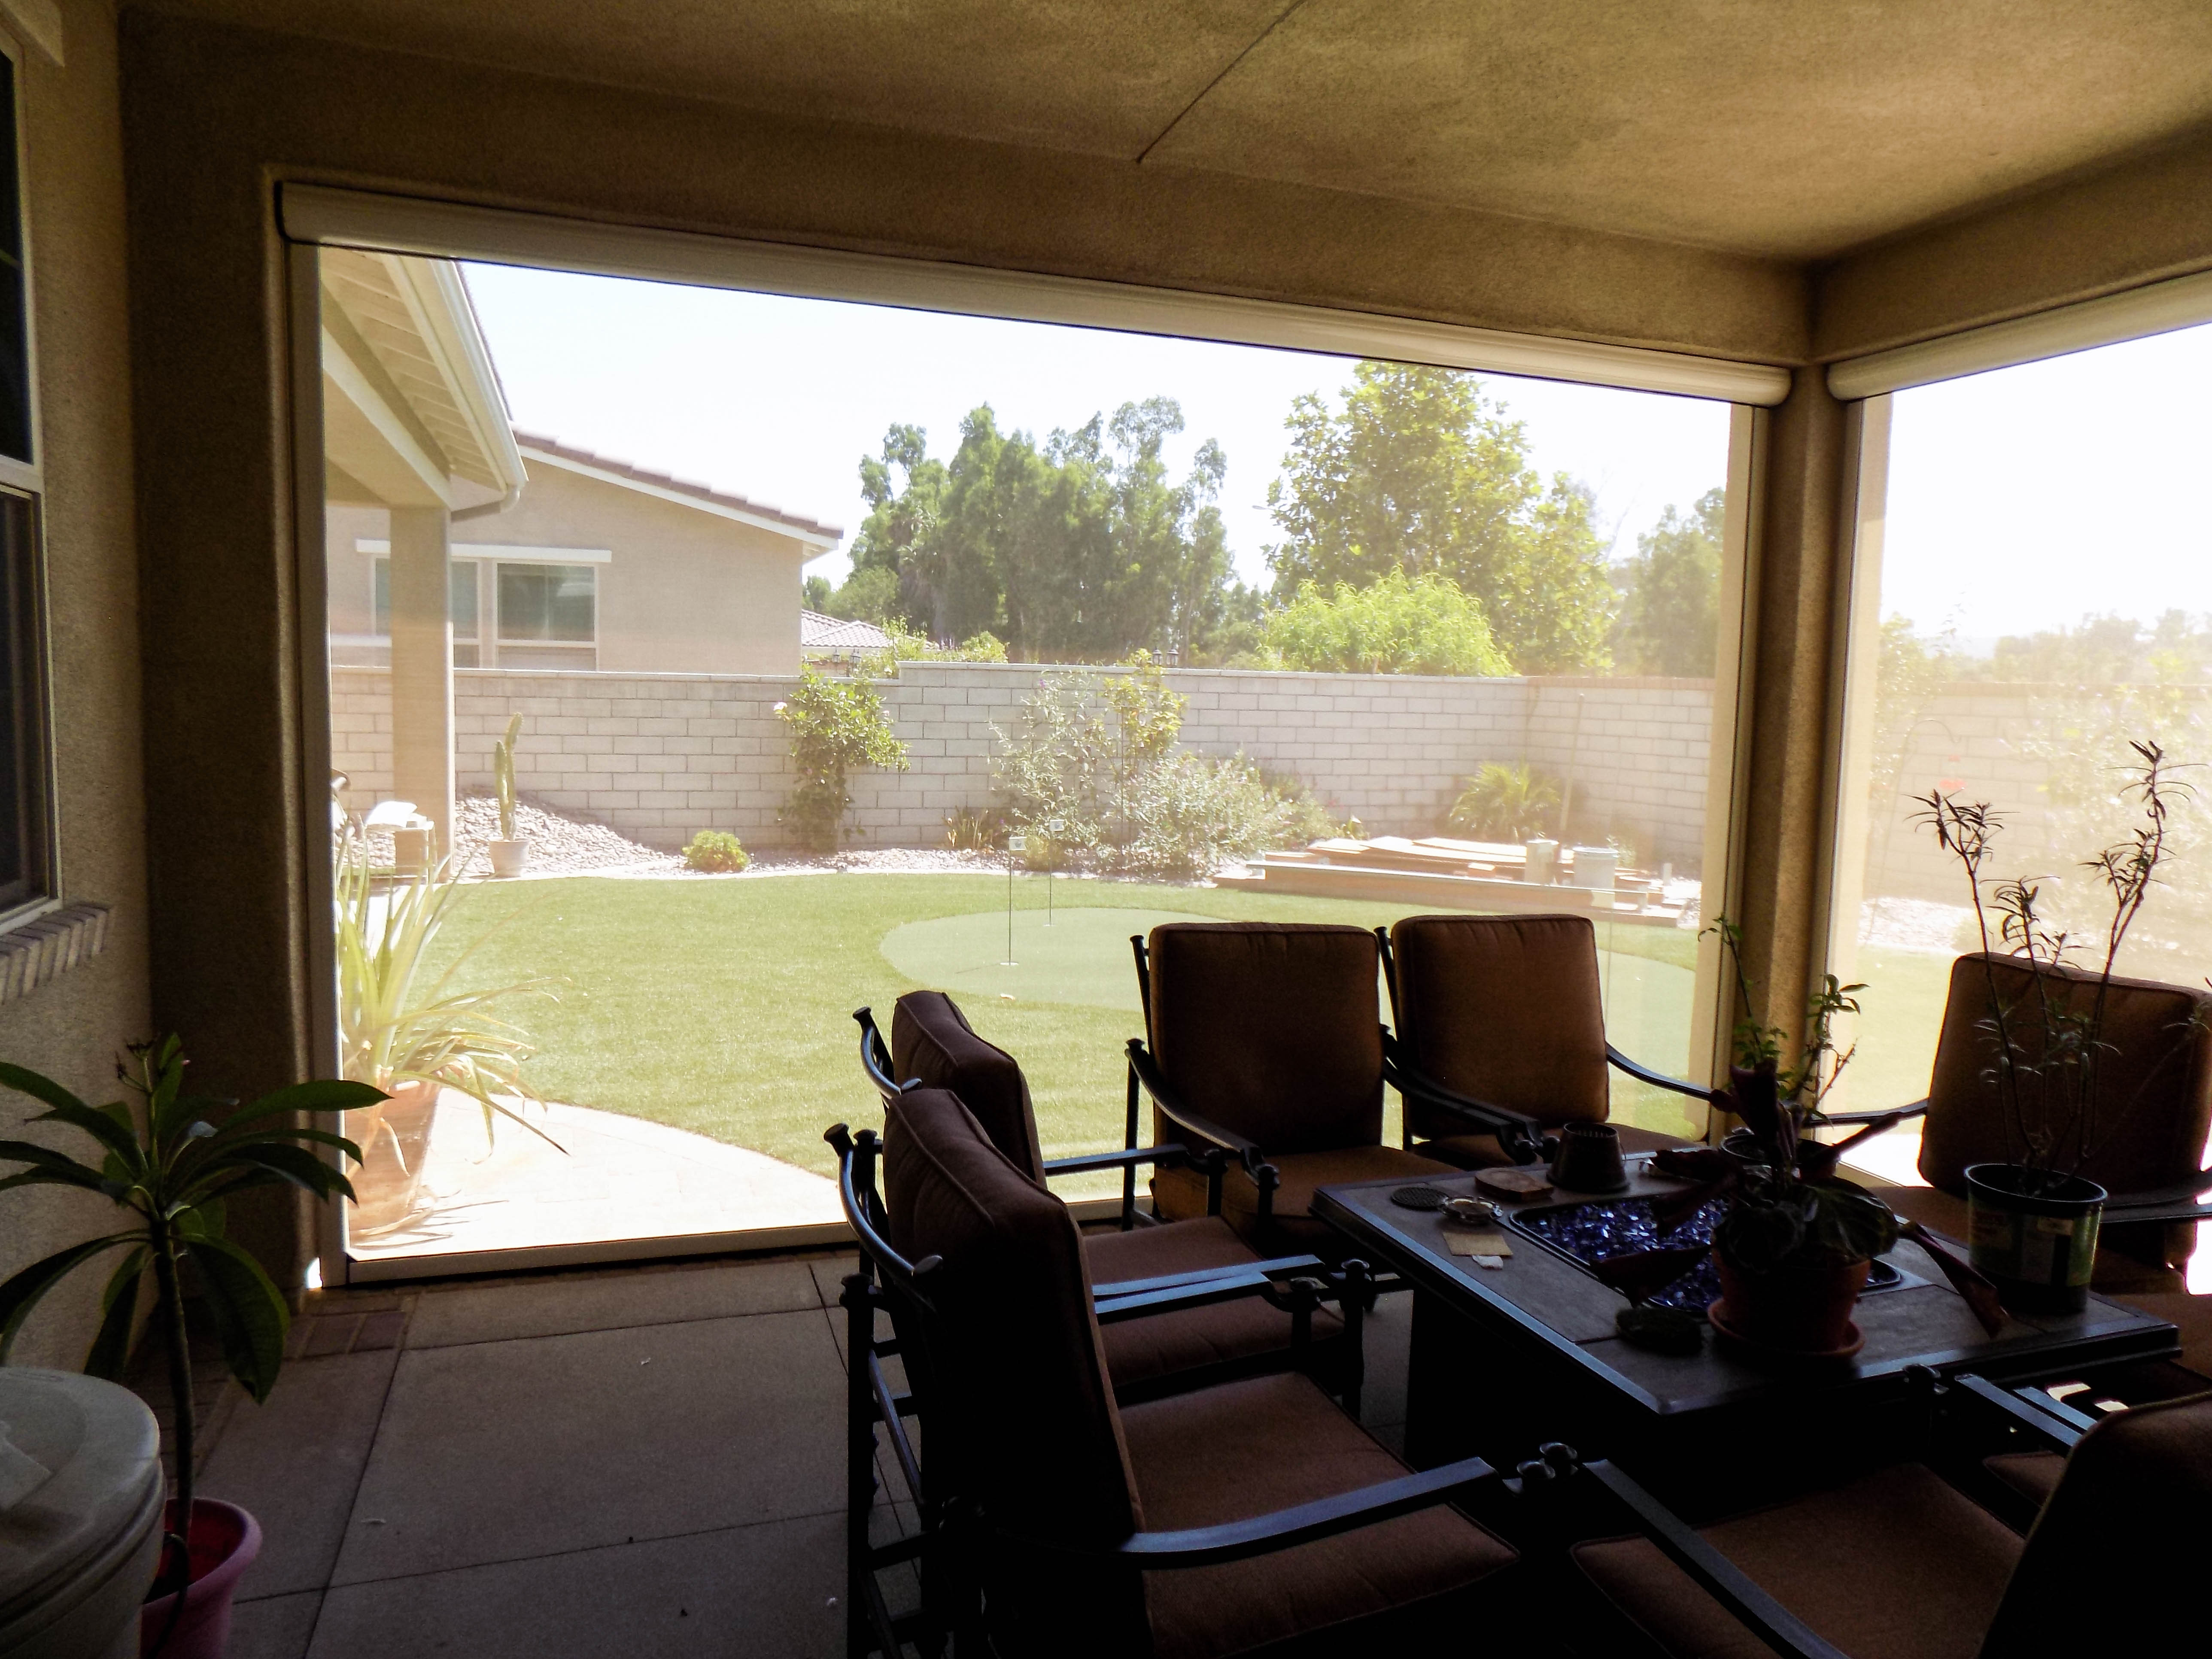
173, 1169
502, 775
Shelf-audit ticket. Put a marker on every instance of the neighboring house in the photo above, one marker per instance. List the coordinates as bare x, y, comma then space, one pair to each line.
833, 639
597, 564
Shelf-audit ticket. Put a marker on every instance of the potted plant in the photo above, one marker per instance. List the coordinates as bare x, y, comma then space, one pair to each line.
1793, 1248
171, 1171
409, 1039
509, 852
2033, 1220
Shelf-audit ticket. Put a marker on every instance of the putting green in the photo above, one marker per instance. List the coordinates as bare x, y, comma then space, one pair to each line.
1082, 958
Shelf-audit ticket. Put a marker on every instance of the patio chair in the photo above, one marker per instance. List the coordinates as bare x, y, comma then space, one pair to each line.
2157, 1082
1265, 1041
933, 1046
1250, 1517
1499, 1037
1899, 1563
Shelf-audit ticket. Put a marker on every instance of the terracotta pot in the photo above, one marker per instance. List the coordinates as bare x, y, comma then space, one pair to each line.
394, 1139
222, 1542
1805, 1310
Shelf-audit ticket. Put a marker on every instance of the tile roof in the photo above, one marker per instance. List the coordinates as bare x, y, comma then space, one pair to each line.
680, 486
819, 633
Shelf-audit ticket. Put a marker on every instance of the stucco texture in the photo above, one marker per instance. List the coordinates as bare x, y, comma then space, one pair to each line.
73, 1027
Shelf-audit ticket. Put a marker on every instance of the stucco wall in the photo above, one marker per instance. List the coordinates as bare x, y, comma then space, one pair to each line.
686, 591
73, 1027
661, 757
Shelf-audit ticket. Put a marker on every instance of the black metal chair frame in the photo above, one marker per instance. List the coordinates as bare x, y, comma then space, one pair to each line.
876, 1061
1523, 1138
888, 1283
2020, 1412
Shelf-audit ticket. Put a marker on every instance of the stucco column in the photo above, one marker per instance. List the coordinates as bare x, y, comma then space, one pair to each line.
1801, 562
422, 666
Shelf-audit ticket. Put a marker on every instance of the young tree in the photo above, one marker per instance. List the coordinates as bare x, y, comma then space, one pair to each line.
1419, 473
1669, 620
1392, 626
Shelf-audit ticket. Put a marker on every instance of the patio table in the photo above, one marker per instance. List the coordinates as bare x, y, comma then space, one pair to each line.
1506, 1358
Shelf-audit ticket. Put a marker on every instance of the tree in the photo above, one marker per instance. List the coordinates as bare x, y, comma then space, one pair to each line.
1419, 473
1392, 626
1081, 549
815, 594
1669, 620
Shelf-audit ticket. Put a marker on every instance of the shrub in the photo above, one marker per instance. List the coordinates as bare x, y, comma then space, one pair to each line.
1097, 758
907, 647
968, 830
835, 726
717, 852
1426, 625
1506, 802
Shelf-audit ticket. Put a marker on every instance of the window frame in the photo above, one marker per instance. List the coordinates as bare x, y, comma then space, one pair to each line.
312, 217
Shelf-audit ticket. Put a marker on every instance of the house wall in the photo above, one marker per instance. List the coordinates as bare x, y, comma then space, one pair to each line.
662, 757
687, 591
73, 1027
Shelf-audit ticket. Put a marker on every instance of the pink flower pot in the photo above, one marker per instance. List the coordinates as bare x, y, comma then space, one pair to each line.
223, 1541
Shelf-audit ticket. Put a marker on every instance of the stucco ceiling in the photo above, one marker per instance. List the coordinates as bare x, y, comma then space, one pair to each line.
1793, 129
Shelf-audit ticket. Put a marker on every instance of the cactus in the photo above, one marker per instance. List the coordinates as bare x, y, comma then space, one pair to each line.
502, 775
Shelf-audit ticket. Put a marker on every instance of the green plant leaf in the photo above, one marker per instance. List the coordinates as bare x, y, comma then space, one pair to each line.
297, 1164
22, 1292
49, 1164
326, 1095
250, 1318
110, 1353
111, 1125
28, 1082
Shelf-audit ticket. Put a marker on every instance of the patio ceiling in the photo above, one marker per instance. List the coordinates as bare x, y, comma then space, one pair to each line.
1797, 132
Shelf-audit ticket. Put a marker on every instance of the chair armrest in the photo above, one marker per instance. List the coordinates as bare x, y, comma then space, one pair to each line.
1169, 1154
1511, 1127
1325, 1517
1713, 1572
1656, 1079
1919, 1109
2183, 1201
1202, 1293
1146, 1071
2039, 1418
876, 1056
1281, 1264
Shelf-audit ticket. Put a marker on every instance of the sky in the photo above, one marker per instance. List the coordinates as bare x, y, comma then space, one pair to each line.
2027, 498
777, 399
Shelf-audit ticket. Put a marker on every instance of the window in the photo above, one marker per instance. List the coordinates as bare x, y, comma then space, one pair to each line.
545, 612
2033, 594
27, 835
15, 306
460, 603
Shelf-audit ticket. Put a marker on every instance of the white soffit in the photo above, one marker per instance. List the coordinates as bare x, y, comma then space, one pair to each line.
346, 218
2157, 308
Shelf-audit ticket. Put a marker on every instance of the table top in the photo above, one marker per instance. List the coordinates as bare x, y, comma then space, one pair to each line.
1558, 1302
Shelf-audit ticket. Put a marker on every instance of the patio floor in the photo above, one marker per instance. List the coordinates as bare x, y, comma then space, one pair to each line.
642, 1462
611, 1177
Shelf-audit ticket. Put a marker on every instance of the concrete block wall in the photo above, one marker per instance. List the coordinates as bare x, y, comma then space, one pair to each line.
661, 756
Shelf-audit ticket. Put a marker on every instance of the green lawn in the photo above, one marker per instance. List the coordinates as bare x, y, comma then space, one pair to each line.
723, 1007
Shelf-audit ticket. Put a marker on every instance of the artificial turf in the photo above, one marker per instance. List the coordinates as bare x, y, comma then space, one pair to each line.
723, 1005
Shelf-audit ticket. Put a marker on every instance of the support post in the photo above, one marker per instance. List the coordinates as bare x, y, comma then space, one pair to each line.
422, 666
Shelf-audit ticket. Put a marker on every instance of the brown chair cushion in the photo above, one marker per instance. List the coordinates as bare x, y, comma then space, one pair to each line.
1250, 1448
1272, 1030
2116, 1560
1023, 1395
2034, 1475
1181, 1193
1932, 1207
2192, 1315
2157, 1061
931, 1040
1483, 1152
1896, 1565
1506, 1009
1139, 1349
